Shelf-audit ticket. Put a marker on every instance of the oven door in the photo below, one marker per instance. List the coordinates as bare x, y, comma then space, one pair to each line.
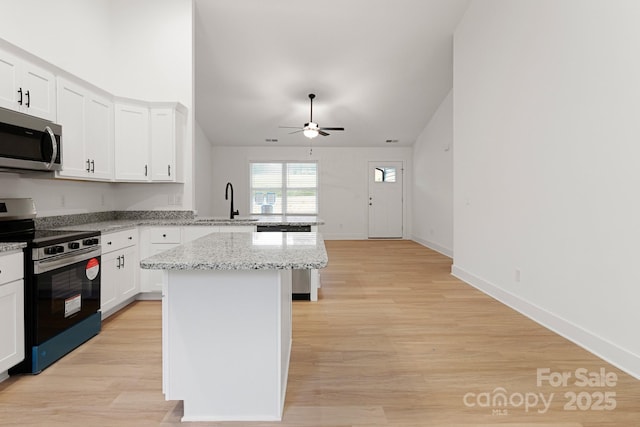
66, 291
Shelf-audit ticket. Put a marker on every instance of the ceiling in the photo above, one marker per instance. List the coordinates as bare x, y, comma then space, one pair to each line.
379, 68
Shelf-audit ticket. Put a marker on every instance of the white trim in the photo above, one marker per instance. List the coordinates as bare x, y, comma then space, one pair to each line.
434, 246
604, 349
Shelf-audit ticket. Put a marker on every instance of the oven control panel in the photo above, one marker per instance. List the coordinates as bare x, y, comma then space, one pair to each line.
66, 248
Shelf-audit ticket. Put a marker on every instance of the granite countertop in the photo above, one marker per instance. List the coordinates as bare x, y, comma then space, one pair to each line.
244, 251
107, 226
15, 246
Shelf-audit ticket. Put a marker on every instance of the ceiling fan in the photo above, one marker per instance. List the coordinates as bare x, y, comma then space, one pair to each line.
311, 129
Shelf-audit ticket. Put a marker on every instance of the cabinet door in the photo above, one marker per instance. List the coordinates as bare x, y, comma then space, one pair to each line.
11, 324
9, 81
109, 281
131, 143
163, 165
152, 279
39, 88
128, 278
72, 117
99, 141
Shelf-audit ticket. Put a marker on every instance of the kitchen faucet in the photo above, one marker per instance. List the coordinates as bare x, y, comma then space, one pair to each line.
226, 197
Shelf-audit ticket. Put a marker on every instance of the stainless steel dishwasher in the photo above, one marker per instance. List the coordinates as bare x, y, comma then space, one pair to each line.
301, 279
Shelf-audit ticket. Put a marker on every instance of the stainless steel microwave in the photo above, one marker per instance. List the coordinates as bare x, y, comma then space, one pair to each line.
29, 143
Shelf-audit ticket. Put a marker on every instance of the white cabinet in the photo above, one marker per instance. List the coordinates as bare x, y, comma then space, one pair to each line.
26, 87
11, 311
148, 141
87, 122
131, 142
153, 241
119, 284
168, 126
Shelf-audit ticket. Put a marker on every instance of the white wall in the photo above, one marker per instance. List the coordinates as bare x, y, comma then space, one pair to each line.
134, 48
546, 170
152, 53
433, 181
203, 173
342, 182
72, 34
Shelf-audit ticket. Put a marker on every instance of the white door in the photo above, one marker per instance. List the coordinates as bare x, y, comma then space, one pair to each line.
9, 81
385, 199
100, 137
131, 143
162, 137
40, 91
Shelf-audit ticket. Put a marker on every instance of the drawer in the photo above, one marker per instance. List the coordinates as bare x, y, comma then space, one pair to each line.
11, 267
165, 235
119, 239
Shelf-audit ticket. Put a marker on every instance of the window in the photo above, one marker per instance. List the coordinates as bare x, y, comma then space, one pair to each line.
384, 174
284, 188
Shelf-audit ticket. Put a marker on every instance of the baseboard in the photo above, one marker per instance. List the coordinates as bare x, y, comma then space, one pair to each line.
149, 296
436, 247
604, 349
336, 236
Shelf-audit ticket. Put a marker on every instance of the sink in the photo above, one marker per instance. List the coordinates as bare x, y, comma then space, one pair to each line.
224, 219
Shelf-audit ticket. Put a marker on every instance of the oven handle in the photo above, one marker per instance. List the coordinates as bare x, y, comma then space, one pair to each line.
54, 263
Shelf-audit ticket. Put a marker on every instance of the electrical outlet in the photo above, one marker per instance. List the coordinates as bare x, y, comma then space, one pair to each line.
63, 201
516, 275
178, 199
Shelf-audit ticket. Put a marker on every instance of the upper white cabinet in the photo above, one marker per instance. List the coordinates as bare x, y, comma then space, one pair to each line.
26, 87
148, 141
103, 138
87, 123
168, 125
132, 142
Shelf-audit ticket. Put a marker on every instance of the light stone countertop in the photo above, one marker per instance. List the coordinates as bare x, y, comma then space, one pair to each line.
244, 251
14, 246
123, 224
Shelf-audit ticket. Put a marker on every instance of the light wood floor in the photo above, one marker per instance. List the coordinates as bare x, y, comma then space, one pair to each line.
394, 340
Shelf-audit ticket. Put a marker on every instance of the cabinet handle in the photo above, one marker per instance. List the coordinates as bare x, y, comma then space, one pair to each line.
118, 263
93, 167
145, 170
88, 166
130, 237
28, 99
20, 100
164, 235
169, 169
122, 261
108, 243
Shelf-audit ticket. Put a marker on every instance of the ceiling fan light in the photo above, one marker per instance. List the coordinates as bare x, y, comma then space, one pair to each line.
310, 133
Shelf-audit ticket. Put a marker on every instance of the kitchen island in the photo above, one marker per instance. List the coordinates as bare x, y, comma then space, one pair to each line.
226, 321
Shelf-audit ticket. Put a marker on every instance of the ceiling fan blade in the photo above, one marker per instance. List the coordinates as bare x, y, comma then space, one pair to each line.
296, 131
321, 132
323, 128
289, 127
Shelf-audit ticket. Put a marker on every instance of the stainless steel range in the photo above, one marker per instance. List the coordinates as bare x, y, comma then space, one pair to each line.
62, 285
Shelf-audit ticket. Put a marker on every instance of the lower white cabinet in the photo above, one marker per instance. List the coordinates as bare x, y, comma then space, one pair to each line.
11, 311
155, 240
120, 263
